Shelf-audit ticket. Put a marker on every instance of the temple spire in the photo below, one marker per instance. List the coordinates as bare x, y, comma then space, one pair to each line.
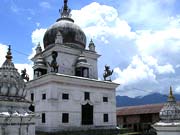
65, 11
65, 5
8, 62
171, 97
9, 55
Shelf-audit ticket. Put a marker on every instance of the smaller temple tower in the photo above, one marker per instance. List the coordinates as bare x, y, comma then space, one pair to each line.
15, 117
170, 117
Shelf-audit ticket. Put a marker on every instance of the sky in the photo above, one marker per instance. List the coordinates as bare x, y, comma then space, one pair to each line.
138, 39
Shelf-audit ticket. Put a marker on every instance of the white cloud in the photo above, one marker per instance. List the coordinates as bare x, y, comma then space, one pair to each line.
152, 42
174, 21
165, 69
142, 73
177, 89
101, 21
158, 52
135, 72
45, 4
147, 14
159, 69
37, 37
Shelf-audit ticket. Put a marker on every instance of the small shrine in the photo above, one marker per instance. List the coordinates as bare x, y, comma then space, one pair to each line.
169, 123
15, 117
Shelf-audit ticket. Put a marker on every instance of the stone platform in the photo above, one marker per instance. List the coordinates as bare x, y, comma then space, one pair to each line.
84, 132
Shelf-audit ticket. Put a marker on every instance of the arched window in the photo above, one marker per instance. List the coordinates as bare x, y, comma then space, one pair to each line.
82, 72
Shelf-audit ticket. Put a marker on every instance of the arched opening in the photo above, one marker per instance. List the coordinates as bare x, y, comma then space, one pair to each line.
39, 72
82, 72
87, 114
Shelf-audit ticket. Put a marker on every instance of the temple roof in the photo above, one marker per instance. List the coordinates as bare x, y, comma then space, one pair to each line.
140, 109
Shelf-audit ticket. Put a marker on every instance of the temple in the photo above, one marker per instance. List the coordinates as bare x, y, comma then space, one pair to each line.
15, 116
169, 117
65, 90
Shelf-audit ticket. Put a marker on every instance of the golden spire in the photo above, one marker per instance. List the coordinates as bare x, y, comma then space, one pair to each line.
171, 96
9, 56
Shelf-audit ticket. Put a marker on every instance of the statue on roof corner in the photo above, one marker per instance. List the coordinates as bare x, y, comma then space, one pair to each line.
24, 75
54, 66
107, 73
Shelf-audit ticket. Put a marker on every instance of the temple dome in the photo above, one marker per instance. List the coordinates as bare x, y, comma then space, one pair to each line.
72, 34
11, 83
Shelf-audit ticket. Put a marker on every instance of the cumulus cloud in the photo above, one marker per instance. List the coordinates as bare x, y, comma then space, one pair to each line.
159, 69
153, 42
151, 14
101, 21
37, 37
142, 68
135, 72
177, 89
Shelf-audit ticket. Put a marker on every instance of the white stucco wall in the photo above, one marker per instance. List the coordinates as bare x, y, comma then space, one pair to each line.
54, 105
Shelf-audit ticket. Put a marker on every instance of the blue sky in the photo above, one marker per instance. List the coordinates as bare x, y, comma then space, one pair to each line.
139, 39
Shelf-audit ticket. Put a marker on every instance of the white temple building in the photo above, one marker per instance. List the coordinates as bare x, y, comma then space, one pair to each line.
15, 117
170, 118
65, 90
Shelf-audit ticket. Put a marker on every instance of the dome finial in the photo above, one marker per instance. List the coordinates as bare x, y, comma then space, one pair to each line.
65, 5
65, 11
9, 56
